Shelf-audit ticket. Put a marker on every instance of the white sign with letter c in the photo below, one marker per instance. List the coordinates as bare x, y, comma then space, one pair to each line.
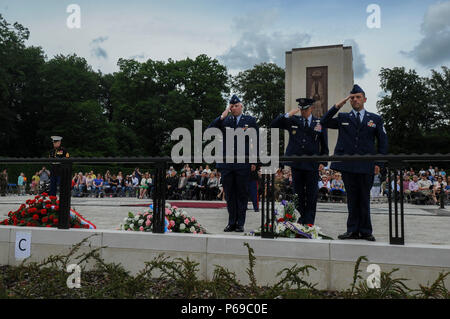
23, 245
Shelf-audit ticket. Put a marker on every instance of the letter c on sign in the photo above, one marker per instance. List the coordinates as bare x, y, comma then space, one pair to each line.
20, 242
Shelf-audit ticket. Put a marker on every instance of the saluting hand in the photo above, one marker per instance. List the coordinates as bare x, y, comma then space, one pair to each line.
342, 103
225, 113
294, 111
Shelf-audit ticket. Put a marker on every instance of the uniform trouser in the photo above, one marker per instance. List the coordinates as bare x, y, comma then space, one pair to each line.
55, 180
253, 191
358, 188
235, 183
306, 187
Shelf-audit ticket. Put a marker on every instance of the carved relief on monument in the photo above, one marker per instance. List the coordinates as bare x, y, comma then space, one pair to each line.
317, 89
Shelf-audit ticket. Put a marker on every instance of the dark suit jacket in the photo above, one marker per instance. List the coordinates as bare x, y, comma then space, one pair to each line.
246, 121
311, 140
354, 139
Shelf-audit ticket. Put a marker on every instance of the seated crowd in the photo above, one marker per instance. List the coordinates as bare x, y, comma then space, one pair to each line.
421, 187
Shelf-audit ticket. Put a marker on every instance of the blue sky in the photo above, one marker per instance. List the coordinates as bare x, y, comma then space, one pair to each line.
414, 34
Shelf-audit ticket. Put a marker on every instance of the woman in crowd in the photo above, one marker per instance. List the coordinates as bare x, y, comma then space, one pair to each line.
212, 187
143, 186
90, 188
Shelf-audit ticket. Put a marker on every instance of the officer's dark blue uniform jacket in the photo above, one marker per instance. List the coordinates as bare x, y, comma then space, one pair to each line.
354, 139
246, 121
311, 140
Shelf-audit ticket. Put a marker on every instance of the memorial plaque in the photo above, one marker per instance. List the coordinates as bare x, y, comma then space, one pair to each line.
317, 89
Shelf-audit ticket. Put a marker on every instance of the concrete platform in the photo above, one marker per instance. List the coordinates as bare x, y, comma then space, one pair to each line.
423, 224
334, 260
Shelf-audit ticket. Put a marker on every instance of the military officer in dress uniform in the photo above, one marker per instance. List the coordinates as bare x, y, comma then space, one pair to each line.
55, 172
358, 131
235, 176
306, 137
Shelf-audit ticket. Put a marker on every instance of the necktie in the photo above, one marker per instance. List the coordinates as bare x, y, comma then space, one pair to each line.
235, 121
358, 118
305, 123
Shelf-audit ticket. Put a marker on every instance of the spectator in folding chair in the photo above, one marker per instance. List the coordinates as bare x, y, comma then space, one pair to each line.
438, 185
80, 185
182, 182
143, 186
212, 187
337, 192
426, 188
200, 190
324, 188
98, 186
90, 188
129, 186
413, 189
120, 185
114, 183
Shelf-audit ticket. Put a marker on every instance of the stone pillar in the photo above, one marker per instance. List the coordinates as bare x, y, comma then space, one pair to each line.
324, 73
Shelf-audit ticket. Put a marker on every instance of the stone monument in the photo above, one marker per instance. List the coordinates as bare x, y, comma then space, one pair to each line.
322, 73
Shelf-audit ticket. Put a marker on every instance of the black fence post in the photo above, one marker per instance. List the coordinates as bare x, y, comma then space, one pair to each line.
65, 195
159, 198
399, 237
268, 206
442, 196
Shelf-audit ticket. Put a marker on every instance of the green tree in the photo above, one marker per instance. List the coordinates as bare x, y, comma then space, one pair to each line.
404, 108
416, 110
72, 108
20, 90
153, 98
262, 91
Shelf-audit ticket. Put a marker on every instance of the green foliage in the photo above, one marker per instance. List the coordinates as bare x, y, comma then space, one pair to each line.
437, 290
251, 269
163, 277
416, 110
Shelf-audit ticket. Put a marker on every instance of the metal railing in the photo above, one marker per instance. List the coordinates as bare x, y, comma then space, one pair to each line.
394, 163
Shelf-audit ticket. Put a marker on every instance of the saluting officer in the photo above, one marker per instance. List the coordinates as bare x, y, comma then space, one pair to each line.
55, 171
306, 137
235, 176
358, 131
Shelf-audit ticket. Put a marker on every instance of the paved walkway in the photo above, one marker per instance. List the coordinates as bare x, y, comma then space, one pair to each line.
423, 224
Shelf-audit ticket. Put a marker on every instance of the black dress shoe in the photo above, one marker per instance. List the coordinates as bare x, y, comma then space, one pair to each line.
229, 228
239, 229
367, 237
349, 235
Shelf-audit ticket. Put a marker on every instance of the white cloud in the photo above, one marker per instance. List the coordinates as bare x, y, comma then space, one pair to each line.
256, 44
359, 59
434, 48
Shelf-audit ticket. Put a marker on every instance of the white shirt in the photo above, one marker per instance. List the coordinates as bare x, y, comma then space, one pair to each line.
361, 114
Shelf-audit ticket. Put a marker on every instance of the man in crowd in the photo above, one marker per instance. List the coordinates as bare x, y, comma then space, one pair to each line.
358, 132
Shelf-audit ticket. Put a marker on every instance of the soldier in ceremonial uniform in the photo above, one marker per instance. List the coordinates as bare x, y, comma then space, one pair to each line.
358, 131
235, 176
306, 137
55, 172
